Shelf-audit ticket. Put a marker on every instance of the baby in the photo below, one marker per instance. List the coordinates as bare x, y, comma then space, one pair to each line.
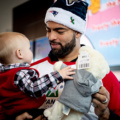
21, 87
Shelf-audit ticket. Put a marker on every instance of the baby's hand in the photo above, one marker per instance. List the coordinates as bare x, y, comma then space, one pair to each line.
67, 72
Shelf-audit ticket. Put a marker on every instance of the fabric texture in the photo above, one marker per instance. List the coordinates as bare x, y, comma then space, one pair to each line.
28, 80
12, 100
114, 116
82, 87
86, 83
21, 88
74, 14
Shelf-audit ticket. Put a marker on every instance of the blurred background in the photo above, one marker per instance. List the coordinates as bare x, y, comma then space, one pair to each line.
102, 30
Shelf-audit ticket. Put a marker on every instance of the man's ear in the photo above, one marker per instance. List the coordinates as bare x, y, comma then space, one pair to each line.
19, 54
77, 34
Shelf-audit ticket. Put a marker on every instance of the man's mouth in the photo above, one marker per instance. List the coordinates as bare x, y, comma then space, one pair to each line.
55, 45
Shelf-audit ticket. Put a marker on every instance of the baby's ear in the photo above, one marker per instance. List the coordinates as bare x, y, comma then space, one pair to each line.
19, 54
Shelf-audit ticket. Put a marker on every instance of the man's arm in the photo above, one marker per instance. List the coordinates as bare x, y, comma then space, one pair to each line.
101, 108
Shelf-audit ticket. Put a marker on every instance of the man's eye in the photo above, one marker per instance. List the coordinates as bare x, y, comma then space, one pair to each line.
60, 32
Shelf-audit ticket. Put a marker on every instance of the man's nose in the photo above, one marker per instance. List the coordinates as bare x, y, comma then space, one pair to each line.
52, 36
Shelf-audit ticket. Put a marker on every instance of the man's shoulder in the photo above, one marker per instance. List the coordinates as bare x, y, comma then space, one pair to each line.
109, 76
110, 80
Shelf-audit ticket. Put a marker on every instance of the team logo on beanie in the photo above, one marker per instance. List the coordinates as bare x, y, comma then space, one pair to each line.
71, 2
54, 13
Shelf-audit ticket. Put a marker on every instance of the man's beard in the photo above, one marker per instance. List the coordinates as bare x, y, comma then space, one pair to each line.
65, 50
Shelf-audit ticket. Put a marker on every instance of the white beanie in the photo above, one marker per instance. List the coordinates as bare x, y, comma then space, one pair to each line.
70, 14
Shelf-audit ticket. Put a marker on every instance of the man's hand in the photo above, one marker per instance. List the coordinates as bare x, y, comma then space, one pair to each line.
101, 101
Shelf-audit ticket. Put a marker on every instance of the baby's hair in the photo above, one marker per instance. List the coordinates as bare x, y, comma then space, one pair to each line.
8, 41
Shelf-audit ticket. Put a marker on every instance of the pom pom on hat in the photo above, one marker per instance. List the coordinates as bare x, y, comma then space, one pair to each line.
70, 13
